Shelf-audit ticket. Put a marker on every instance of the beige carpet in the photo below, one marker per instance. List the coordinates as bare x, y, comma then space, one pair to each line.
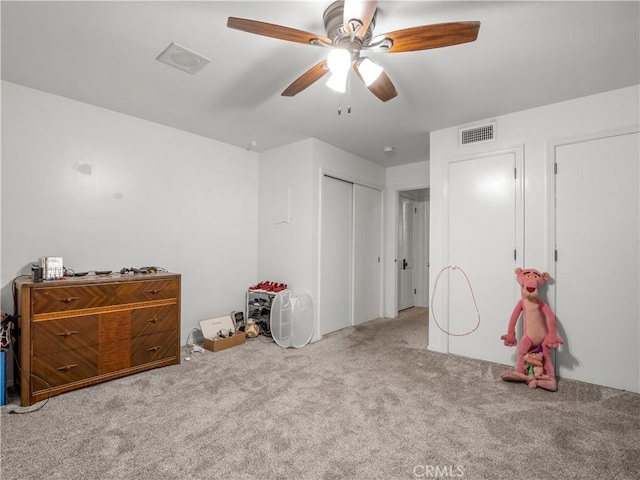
364, 403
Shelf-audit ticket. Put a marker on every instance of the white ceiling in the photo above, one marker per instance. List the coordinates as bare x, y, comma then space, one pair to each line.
527, 54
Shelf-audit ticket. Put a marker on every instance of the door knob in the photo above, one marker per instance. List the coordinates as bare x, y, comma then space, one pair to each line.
404, 264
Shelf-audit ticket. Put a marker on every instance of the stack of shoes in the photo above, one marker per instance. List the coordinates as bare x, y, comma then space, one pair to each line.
268, 287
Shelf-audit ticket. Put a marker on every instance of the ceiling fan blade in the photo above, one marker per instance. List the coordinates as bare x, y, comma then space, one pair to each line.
362, 11
275, 31
382, 87
432, 36
306, 79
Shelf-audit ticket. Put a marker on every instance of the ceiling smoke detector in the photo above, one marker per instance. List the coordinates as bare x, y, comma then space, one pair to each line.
388, 151
182, 58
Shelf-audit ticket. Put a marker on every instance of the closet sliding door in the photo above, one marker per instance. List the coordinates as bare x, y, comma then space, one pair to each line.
367, 234
336, 255
350, 254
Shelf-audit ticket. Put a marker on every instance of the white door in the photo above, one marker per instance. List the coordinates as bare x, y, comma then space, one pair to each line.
336, 259
597, 269
367, 241
482, 238
406, 252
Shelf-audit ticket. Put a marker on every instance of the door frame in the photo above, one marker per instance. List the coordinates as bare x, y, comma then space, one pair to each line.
402, 197
398, 192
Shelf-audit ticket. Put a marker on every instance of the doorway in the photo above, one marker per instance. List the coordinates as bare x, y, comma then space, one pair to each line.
412, 259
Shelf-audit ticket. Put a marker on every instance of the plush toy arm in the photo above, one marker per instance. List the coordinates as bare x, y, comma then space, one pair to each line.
509, 340
510, 337
551, 340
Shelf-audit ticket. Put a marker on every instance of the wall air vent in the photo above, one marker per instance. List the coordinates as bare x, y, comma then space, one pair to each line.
478, 134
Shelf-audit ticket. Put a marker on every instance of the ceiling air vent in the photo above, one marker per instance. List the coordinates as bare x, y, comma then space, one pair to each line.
182, 58
479, 134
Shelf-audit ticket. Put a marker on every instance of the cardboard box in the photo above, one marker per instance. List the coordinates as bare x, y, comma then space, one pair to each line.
222, 343
210, 329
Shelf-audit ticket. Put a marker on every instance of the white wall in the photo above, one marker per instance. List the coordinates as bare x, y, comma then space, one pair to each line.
285, 250
340, 164
404, 177
291, 254
105, 191
534, 129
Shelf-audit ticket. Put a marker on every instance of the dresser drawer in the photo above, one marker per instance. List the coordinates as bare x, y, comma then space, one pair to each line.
64, 299
64, 334
145, 321
147, 291
150, 348
68, 298
60, 368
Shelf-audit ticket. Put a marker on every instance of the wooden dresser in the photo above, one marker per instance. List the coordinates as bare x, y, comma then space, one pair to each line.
81, 331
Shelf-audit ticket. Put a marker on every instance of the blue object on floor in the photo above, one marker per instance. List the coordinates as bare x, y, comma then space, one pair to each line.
3, 386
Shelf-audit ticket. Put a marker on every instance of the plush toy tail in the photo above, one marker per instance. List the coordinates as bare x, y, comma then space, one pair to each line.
513, 376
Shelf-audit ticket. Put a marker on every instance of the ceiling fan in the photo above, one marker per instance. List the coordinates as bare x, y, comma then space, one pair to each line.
349, 25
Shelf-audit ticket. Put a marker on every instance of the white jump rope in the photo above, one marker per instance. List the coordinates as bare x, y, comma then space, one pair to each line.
433, 294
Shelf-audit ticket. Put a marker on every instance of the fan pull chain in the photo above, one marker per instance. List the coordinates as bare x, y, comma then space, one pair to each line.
349, 94
348, 98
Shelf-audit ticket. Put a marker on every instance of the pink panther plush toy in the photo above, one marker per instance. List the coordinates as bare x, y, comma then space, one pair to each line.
539, 330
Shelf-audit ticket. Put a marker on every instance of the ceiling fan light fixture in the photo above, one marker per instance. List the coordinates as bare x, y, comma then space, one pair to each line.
369, 70
338, 82
350, 26
339, 60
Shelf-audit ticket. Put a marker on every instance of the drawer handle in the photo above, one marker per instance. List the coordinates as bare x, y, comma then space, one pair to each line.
67, 333
153, 320
69, 299
66, 368
153, 349
152, 291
